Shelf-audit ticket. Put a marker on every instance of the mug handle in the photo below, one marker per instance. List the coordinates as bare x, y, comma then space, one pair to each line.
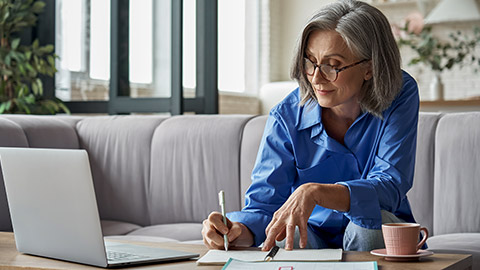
425, 236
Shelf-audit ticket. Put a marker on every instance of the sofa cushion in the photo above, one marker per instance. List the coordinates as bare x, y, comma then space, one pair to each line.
421, 194
457, 184
119, 152
178, 231
111, 227
140, 238
46, 131
193, 157
11, 135
252, 135
465, 243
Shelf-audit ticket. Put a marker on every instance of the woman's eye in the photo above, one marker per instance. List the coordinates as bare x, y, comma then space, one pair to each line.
334, 64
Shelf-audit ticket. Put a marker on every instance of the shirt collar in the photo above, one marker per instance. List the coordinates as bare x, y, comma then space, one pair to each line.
309, 116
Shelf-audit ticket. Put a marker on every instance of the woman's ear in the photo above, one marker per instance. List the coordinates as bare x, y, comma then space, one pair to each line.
368, 71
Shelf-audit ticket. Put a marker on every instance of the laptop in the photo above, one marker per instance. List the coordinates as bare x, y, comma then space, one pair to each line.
54, 210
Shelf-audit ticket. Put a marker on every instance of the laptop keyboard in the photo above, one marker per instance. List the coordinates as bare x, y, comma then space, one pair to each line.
122, 256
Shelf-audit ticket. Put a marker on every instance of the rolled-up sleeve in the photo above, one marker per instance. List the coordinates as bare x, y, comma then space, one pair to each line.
390, 176
272, 179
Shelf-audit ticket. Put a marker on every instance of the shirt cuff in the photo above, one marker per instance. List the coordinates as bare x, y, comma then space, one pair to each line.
364, 205
255, 222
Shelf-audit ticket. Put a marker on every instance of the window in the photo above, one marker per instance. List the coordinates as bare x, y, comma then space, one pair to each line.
83, 38
84, 44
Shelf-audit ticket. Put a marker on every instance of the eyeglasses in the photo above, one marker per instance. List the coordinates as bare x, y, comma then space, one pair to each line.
328, 72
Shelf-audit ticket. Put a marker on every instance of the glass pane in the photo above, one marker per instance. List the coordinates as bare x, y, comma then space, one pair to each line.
231, 45
189, 47
100, 39
74, 35
141, 41
149, 51
84, 52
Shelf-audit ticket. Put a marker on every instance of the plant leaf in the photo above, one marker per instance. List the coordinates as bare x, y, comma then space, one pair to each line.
35, 44
15, 43
38, 7
8, 105
8, 59
40, 86
3, 106
63, 107
35, 88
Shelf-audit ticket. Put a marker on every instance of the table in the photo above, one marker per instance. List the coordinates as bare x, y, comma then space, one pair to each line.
11, 259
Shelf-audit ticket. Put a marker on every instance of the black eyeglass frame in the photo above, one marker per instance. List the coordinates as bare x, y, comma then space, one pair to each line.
337, 70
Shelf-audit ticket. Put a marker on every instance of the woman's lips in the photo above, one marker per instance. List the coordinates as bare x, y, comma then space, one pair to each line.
324, 92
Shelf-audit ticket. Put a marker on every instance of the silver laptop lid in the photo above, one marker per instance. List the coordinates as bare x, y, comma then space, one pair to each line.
52, 204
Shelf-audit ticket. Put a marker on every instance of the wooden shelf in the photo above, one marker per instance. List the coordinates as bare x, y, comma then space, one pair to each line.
451, 103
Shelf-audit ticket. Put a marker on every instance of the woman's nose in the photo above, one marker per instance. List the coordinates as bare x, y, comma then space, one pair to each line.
318, 78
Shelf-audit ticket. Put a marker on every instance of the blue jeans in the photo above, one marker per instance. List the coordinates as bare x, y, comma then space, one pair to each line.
356, 238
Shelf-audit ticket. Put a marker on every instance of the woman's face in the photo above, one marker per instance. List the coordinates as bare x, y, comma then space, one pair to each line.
328, 47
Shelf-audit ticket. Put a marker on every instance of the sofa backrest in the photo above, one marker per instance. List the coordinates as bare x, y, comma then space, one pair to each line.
456, 206
11, 135
157, 169
193, 157
119, 149
146, 169
421, 194
252, 135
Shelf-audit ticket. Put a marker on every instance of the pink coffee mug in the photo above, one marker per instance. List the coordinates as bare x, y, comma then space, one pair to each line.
402, 238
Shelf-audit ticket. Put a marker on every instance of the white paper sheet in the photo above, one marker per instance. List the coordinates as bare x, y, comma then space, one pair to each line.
220, 257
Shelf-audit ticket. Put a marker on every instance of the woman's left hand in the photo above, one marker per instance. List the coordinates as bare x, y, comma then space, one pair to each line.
294, 212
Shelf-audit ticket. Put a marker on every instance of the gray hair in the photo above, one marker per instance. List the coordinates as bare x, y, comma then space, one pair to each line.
368, 35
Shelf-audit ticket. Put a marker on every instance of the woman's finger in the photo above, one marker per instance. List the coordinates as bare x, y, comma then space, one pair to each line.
214, 238
302, 228
281, 235
234, 232
216, 220
290, 229
272, 235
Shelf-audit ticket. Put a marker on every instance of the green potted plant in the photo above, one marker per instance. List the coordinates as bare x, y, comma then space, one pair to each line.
21, 90
439, 55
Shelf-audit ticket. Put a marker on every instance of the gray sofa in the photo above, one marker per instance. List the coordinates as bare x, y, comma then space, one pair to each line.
157, 177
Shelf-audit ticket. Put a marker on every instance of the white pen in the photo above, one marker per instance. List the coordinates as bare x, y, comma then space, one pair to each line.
221, 201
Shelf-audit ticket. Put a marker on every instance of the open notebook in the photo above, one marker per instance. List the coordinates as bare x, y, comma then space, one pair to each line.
220, 257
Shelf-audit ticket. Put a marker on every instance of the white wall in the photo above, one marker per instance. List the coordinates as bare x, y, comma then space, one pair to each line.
287, 20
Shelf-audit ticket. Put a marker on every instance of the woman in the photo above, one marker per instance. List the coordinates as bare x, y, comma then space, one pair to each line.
337, 155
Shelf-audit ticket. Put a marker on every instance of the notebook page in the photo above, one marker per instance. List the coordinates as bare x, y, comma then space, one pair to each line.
220, 257
309, 255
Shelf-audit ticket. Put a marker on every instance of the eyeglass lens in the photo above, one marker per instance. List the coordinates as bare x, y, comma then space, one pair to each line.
327, 72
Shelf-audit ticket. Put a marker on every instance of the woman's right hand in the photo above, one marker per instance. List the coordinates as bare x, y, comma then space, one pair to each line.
213, 230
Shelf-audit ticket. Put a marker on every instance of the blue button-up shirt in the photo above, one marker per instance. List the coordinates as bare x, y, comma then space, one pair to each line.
376, 163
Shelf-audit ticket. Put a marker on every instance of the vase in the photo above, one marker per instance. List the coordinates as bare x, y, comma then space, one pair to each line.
436, 87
